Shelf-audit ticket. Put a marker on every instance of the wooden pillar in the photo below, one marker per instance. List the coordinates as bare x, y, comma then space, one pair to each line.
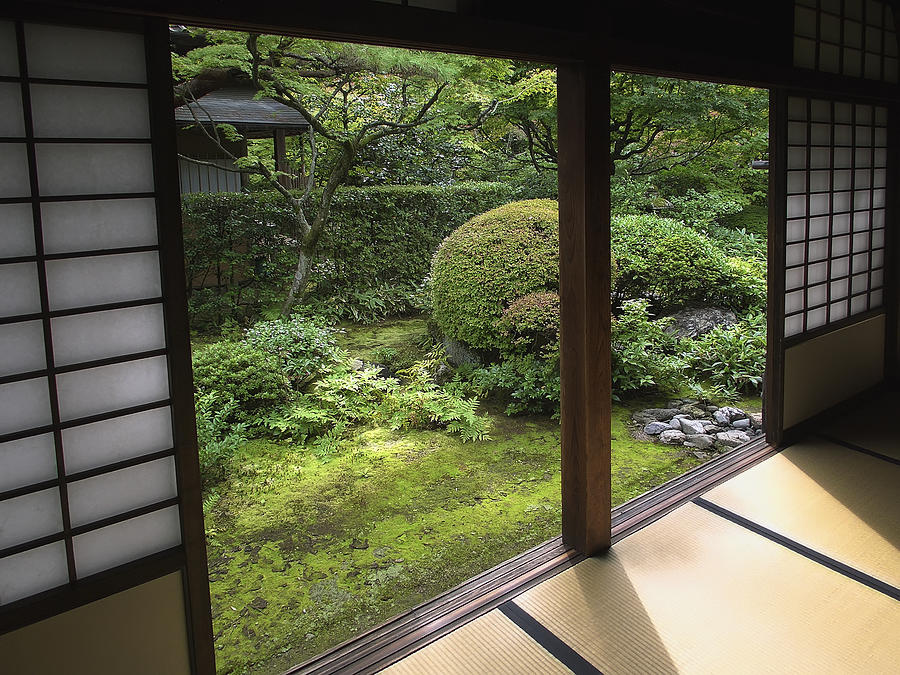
281, 163
584, 261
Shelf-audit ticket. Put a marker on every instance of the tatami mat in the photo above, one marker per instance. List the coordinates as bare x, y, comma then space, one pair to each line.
491, 644
836, 501
695, 593
872, 426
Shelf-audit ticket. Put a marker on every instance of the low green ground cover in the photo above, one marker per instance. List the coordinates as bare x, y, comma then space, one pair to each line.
305, 551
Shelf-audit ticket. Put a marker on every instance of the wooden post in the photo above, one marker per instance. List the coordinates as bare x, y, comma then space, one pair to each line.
281, 163
584, 264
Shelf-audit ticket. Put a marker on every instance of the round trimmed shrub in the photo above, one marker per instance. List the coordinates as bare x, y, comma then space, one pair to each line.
490, 261
531, 322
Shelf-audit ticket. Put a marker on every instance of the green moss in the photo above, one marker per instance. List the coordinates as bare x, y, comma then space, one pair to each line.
306, 553
405, 336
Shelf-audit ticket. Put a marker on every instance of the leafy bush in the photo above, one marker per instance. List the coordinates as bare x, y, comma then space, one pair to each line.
304, 345
346, 397
675, 265
530, 323
366, 306
489, 262
529, 383
248, 379
731, 359
217, 437
644, 355
754, 219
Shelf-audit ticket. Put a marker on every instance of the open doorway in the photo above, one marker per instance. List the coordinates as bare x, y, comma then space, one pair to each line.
689, 206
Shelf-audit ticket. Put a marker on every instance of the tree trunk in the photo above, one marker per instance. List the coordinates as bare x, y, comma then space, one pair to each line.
298, 285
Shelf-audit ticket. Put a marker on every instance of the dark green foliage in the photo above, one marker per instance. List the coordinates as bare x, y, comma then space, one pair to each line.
375, 251
754, 219
675, 265
235, 372
644, 355
217, 437
731, 359
489, 262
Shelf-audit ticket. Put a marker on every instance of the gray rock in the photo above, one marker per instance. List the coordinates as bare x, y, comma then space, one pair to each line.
656, 428
699, 441
741, 424
712, 428
700, 455
357, 365
680, 416
711, 408
654, 415
458, 354
672, 437
696, 321
675, 424
689, 426
721, 417
756, 419
732, 439
693, 411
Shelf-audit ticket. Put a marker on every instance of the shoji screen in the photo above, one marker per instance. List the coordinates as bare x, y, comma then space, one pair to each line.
96, 419
834, 240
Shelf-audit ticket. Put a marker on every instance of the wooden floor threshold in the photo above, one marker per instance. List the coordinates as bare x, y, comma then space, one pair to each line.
379, 647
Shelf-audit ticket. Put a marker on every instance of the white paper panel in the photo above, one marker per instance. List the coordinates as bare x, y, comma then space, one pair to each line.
817, 273
820, 134
93, 225
796, 230
818, 250
877, 279
794, 254
840, 267
862, 178
99, 335
796, 181
796, 133
30, 517
852, 62
61, 111
793, 279
21, 294
877, 258
793, 325
816, 318
14, 177
12, 121
859, 283
857, 304
818, 204
100, 443
32, 572
27, 461
877, 219
843, 134
16, 230
819, 181
863, 136
875, 298
107, 388
818, 227
797, 158
796, 206
838, 310
816, 295
123, 542
793, 301
9, 51
121, 491
69, 53
83, 282
840, 289
840, 245
94, 168
840, 224
820, 158
24, 405
804, 53
22, 347
843, 112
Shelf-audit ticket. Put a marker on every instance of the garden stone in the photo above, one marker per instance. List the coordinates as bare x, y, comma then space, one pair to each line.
654, 415
689, 426
711, 408
675, 424
693, 322
656, 428
701, 455
357, 365
712, 428
693, 411
741, 424
458, 354
721, 417
757, 420
672, 437
699, 441
732, 439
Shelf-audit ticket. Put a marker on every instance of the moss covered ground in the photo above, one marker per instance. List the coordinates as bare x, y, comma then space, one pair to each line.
305, 551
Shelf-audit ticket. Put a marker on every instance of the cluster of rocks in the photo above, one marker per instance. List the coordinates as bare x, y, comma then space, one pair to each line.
688, 423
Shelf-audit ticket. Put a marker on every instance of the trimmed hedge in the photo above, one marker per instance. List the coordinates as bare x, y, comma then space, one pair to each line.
490, 261
675, 265
237, 245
